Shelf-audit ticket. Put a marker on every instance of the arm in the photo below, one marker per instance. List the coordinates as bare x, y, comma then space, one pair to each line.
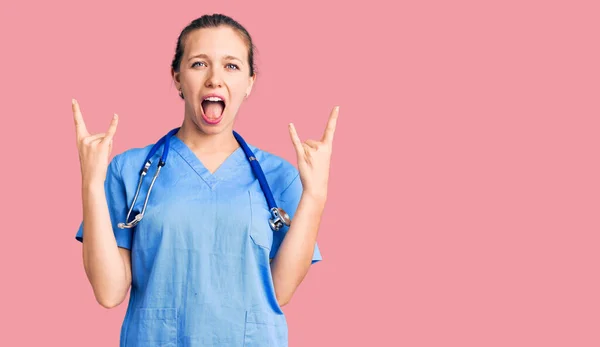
295, 254
108, 267
294, 257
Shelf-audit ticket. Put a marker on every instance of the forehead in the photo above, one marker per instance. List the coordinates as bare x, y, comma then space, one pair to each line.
216, 42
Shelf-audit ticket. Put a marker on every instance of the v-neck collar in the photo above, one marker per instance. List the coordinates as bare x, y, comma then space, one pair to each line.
211, 179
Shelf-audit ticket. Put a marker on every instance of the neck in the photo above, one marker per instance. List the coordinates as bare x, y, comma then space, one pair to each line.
201, 142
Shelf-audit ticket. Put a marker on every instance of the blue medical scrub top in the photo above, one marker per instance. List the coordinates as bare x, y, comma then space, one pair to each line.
200, 257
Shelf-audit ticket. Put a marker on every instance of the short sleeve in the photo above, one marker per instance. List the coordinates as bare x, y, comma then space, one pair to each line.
289, 200
117, 205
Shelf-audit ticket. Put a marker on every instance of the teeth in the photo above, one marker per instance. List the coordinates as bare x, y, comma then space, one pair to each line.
213, 98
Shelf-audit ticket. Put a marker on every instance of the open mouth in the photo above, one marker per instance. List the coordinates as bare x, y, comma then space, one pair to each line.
212, 108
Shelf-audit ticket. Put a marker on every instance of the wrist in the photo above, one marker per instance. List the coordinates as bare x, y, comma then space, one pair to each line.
92, 185
315, 198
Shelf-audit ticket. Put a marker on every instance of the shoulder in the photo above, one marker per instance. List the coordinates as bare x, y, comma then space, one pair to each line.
130, 160
280, 172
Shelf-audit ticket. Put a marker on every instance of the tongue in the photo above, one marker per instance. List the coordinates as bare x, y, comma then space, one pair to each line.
212, 110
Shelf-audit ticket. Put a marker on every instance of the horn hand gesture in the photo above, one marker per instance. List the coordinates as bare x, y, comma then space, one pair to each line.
314, 158
94, 149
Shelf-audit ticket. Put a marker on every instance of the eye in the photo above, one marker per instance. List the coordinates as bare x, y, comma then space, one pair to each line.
198, 62
232, 66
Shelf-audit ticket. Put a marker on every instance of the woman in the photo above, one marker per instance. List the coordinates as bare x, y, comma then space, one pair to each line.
205, 265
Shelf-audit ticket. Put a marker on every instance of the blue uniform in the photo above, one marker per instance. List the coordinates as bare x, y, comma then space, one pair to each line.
200, 257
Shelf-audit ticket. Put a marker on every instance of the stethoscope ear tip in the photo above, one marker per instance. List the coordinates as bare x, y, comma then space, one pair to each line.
134, 222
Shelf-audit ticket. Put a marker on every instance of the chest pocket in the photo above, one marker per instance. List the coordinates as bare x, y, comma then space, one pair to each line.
260, 229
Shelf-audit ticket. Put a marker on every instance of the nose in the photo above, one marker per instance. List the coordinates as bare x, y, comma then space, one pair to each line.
213, 80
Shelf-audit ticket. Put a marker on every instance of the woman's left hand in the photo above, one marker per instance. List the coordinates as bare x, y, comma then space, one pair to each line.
314, 158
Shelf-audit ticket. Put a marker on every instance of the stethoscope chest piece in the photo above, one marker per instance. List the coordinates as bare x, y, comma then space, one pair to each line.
280, 218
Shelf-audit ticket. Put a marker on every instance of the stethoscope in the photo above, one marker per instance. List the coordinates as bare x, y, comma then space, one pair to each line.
278, 216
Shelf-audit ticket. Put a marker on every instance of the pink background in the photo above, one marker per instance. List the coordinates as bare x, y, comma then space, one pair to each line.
467, 144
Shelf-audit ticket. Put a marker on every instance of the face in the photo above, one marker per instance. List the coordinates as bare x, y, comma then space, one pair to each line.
214, 77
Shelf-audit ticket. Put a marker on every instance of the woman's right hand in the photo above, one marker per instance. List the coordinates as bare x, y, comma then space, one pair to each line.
94, 150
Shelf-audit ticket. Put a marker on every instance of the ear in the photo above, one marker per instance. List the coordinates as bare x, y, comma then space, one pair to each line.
250, 85
175, 76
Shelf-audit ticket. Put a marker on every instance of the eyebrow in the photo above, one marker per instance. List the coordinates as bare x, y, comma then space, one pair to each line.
227, 57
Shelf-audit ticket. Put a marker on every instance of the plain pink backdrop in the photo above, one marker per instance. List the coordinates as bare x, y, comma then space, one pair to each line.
464, 200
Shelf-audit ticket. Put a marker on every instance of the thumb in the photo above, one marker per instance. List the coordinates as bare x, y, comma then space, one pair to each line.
110, 134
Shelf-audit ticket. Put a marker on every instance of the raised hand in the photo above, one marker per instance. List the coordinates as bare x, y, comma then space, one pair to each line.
314, 158
94, 150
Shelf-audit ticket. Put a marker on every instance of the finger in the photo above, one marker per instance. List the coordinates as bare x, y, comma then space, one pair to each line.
312, 144
93, 138
331, 124
295, 139
112, 129
80, 128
